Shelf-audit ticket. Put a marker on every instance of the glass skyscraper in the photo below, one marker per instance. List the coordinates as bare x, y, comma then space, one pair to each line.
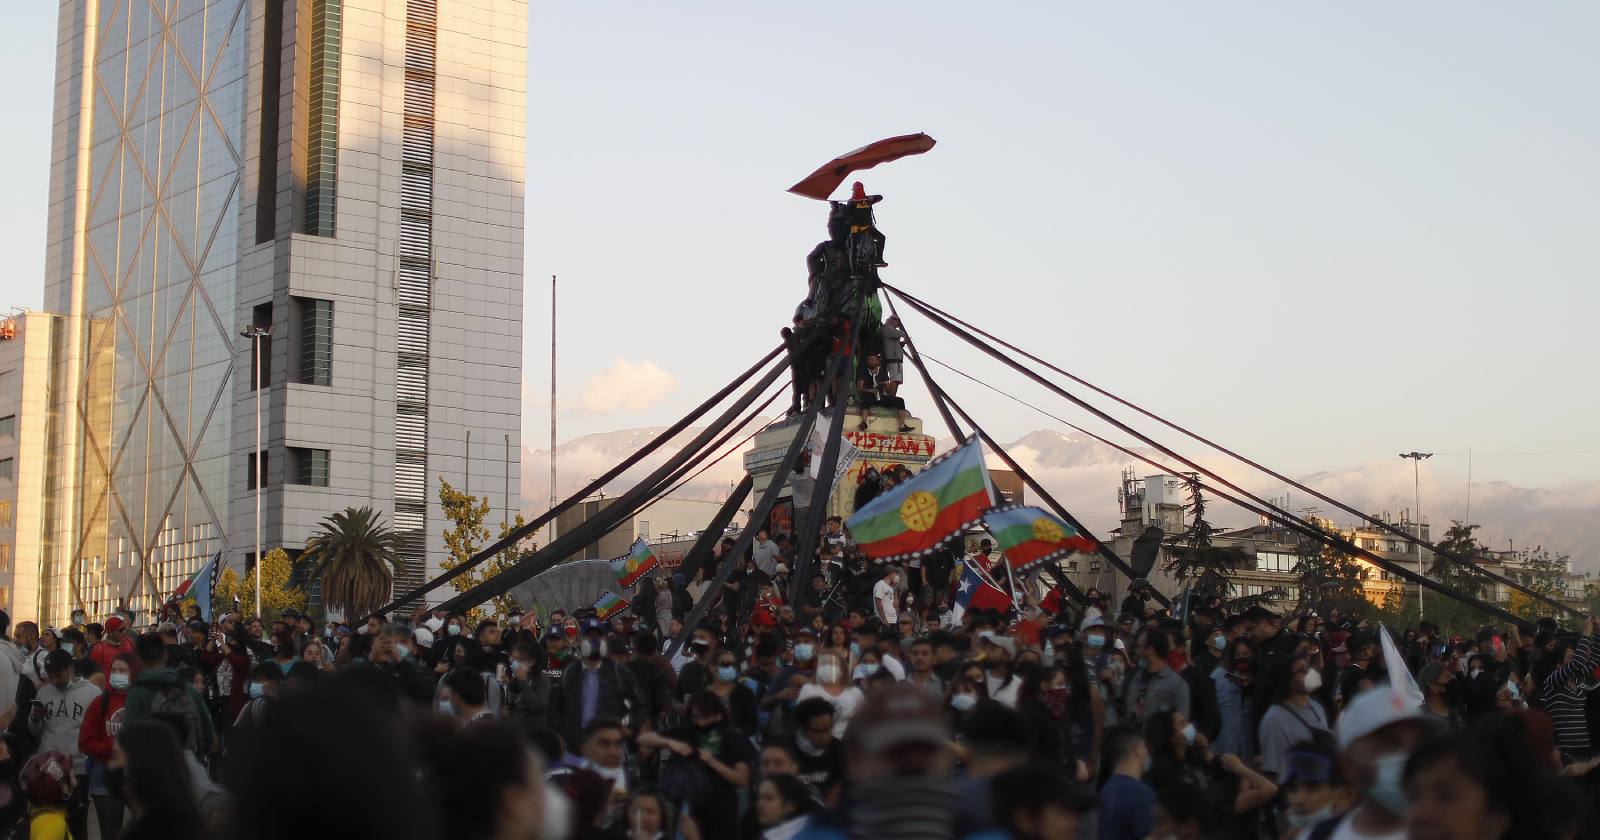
289, 165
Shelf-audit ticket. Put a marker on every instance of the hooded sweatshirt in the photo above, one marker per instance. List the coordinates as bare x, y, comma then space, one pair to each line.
64, 712
151, 686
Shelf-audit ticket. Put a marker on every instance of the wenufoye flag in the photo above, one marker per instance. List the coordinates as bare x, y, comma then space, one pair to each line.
1028, 536
949, 495
633, 565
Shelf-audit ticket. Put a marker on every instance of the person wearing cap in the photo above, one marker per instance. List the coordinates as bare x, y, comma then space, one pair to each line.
1438, 686
1357, 677
1377, 734
898, 765
593, 685
55, 719
115, 643
47, 779
1314, 792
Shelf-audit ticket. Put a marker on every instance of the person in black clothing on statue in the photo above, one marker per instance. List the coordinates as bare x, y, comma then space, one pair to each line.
872, 392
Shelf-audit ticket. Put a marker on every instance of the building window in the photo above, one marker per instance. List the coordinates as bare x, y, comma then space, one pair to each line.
310, 466
322, 135
261, 370
316, 341
8, 469
5, 558
271, 89
5, 513
8, 426
265, 472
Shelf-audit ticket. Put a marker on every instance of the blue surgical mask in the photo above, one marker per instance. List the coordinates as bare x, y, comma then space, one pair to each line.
1220, 643
68, 647
118, 681
963, 702
454, 630
1095, 641
1188, 734
804, 652
727, 673
445, 707
255, 689
866, 670
1388, 790
855, 649
1305, 821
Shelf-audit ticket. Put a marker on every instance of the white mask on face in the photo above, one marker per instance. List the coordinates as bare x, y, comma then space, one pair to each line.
1313, 680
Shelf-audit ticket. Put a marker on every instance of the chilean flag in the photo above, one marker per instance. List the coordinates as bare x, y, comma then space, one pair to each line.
976, 590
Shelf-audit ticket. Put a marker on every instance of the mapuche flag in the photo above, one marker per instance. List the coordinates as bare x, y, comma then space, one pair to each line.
633, 565
949, 495
608, 605
1028, 536
199, 587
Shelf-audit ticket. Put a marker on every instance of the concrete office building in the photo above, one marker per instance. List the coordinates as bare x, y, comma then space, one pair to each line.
347, 173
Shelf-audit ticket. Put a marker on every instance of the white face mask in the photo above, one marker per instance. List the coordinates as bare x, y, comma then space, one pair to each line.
118, 681
557, 815
1313, 680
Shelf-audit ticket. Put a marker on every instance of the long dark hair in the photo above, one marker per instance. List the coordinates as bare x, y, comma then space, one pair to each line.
156, 773
793, 792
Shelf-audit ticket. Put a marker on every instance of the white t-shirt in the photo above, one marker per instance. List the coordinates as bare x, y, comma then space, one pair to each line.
883, 598
844, 704
1347, 831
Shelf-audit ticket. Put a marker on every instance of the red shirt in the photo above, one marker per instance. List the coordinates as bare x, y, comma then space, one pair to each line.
104, 652
100, 724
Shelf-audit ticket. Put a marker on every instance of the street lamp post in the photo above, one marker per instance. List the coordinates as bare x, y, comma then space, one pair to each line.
1416, 479
256, 332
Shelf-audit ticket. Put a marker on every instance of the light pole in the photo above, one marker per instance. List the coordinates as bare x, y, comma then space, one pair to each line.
256, 332
1416, 479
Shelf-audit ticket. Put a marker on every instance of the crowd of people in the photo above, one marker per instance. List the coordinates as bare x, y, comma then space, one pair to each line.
876, 706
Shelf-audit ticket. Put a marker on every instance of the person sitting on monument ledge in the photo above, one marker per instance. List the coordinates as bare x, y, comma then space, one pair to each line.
872, 393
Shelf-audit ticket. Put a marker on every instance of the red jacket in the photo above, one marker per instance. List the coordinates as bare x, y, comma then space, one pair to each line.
104, 652
100, 724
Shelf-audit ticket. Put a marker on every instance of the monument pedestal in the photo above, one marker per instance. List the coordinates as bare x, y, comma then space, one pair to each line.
882, 445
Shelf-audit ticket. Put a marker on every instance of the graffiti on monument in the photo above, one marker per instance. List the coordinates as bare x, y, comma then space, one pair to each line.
892, 444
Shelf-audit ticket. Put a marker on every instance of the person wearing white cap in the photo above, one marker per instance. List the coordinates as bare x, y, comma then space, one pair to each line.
1377, 733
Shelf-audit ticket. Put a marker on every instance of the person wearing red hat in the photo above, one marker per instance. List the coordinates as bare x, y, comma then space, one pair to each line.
115, 644
47, 780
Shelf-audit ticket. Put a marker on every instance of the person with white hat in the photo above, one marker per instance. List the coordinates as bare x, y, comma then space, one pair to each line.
1377, 733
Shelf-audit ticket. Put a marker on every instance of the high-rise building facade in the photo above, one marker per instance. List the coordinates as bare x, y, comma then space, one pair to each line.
346, 174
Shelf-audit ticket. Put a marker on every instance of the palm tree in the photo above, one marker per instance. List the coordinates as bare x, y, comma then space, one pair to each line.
354, 554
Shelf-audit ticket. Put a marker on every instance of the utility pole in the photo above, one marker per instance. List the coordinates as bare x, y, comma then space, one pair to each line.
552, 402
256, 332
1416, 459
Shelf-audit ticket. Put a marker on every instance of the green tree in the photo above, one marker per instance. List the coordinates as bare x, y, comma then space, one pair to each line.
277, 593
1460, 542
354, 555
1329, 579
1544, 573
1207, 567
468, 535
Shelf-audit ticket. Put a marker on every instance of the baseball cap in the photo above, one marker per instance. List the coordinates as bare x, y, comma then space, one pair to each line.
114, 624
58, 661
423, 636
594, 625
897, 715
44, 776
1374, 709
1092, 621
1309, 764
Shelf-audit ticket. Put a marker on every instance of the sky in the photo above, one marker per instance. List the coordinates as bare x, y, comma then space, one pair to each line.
1323, 234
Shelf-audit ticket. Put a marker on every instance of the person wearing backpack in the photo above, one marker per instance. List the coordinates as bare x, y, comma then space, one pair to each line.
158, 689
96, 740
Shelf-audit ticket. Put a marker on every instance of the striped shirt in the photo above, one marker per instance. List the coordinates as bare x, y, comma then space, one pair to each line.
1564, 693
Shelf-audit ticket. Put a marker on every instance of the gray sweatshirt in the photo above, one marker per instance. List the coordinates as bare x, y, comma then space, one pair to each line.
64, 711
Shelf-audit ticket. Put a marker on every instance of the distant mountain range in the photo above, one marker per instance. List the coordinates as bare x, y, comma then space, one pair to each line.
1084, 475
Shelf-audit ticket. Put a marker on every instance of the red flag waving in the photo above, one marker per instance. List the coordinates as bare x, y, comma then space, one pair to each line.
821, 183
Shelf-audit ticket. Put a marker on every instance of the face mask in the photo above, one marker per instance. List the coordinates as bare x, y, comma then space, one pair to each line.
855, 650
963, 702
804, 652
1188, 734
68, 647
1220, 643
1388, 791
865, 670
727, 673
118, 681
699, 647
454, 630
255, 689
1516, 692
1475, 672
1095, 642
327, 633
828, 672
1313, 680
1305, 821
402, 651
446, 708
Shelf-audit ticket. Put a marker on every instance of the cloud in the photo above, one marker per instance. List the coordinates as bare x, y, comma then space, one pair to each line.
627, 385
